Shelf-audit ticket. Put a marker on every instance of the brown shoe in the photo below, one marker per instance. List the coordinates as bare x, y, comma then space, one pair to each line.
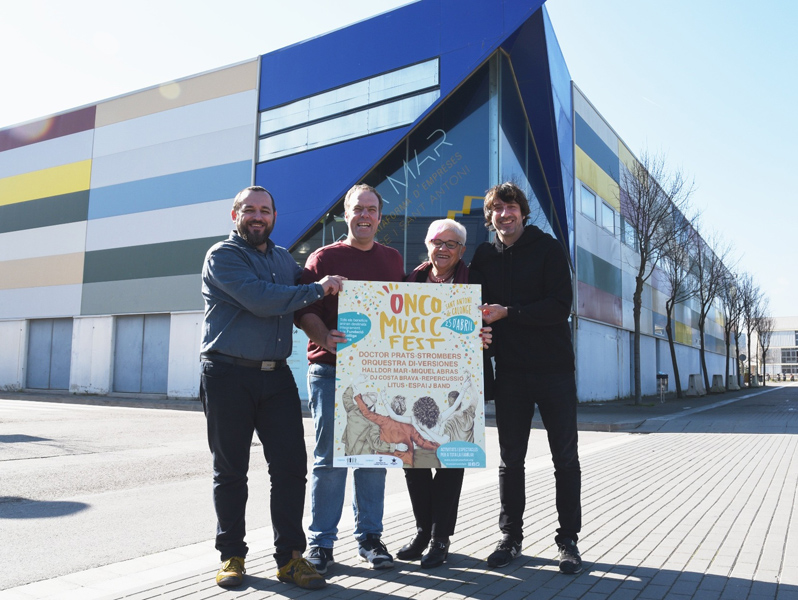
232, 572
302, 573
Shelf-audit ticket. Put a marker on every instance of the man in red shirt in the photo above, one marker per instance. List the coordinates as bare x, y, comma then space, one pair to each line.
357, 257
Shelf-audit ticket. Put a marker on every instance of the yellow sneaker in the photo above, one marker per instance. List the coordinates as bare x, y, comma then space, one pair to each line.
232, 573
302, 573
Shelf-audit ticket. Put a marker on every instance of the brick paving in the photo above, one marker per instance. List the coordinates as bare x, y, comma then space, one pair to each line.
698, 502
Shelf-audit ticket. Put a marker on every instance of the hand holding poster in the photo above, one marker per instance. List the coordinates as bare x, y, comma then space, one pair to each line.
409, 378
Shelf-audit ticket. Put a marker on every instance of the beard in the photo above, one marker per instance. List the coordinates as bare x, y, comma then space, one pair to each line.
255, 238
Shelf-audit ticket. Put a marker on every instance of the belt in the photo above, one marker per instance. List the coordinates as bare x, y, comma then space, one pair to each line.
263, 365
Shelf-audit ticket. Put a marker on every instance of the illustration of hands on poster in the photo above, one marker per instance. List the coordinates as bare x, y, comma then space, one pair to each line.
409, 387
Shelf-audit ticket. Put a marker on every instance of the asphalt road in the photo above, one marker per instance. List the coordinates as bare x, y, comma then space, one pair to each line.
84, 486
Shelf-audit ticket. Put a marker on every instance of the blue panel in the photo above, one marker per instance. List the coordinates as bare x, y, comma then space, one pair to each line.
179, 189
595, 148
386, 42
563, 111
155, 354
40, 341
327, 173
529, 56
127, 353
61, 355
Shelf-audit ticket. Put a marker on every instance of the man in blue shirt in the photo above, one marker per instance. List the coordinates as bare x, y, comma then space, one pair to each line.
251, 290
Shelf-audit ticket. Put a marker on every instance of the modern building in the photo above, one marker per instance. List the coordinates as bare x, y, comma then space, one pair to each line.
782, 356
106, 211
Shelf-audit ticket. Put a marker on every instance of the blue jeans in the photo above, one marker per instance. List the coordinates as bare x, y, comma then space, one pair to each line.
328, 483
517, 393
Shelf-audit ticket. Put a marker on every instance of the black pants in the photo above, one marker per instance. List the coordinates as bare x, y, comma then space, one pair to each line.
517, 393
435, 498
237, 401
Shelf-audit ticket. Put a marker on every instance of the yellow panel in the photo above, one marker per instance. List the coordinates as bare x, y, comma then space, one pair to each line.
683, 333
658, 300
626, 156
65, 179
216, 84
595, 177
63, 269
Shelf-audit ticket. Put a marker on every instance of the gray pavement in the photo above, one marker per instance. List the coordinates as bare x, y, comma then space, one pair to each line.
696, 499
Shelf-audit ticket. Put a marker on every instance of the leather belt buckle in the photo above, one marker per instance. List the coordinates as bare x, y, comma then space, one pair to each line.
268, 365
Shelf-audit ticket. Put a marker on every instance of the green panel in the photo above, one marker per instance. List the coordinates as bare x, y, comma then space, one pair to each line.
137, 296
598, 272
44, 212
153, 260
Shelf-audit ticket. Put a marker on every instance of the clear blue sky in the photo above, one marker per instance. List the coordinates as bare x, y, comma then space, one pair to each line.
711, 85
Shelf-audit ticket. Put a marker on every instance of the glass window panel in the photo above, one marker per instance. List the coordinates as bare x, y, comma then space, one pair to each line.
518, 159
607, 218
440, 169
588, 203
358, 124
350, 97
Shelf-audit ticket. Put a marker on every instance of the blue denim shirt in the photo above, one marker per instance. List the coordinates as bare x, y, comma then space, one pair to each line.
250, 298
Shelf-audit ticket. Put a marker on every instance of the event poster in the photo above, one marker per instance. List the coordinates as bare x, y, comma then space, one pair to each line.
409, 387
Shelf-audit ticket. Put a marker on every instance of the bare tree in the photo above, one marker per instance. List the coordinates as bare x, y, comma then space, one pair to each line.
675, 266
763, 326
732, 310
711, 274
750, 296
653, 200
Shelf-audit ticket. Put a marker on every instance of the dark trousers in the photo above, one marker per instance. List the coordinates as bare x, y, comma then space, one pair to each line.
237, 401
517, 393
435, 498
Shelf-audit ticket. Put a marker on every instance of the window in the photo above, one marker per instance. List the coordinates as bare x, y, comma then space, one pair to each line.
789, 355
362, 108
588, 203
608, 217
628, 234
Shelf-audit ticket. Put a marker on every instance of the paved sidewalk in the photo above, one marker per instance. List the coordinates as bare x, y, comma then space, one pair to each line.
703, 507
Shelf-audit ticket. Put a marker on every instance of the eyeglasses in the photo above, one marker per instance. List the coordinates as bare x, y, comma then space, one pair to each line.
451, 245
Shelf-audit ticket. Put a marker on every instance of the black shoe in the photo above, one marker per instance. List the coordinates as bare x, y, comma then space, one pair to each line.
570, 560
505, 551
414, 548
320, 558
437, 554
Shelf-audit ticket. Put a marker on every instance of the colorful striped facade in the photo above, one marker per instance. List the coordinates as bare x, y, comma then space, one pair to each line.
107, 211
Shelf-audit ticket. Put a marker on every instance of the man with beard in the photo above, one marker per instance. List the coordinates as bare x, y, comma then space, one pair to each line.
251, 290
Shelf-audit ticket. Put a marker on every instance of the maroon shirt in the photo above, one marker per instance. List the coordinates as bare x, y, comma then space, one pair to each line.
381, 263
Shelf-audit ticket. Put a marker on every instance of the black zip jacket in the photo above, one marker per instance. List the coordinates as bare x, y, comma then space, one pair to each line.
532, 279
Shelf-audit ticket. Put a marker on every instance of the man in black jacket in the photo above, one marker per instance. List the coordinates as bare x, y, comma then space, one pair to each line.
528, 295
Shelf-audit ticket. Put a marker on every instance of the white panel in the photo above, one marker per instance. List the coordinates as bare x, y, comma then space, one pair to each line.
68, 238
227, 112
185, 334
209, 150
207, 219
13, 353
52, 301
583, 108
600, 362
63, 150
92, 355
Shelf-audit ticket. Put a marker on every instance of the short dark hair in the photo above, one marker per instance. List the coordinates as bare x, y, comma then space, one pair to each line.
426, 410
362, 187
252, 188
509, 193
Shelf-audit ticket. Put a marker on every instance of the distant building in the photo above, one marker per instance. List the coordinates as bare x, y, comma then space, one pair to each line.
782, 354
107, 211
